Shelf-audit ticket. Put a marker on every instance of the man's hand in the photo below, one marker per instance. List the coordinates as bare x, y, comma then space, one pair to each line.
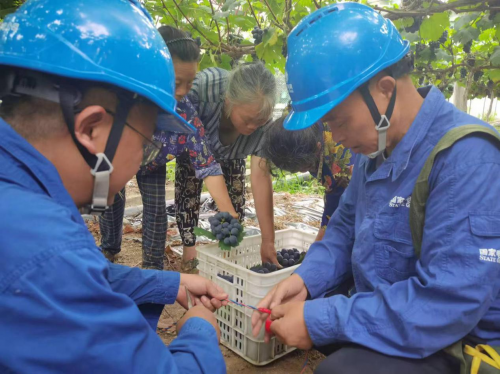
289, 325
268, 253
201, 312
203, 291
290, 289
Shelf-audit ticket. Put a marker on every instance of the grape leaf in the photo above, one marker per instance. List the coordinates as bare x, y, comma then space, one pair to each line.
495, 57
464, 20
443, 55
301, 258
231, 4
225, 62
244, 22
270, 37
484, 23
410, 36
224, 246
404, 22
494, 75
427, 54
202, 232
466, 35
433, 27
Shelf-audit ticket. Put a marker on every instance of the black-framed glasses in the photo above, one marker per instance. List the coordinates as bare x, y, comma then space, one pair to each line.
152, 147
150, 150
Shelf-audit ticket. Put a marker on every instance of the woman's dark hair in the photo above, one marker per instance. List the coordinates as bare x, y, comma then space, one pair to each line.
180, 44
292, 151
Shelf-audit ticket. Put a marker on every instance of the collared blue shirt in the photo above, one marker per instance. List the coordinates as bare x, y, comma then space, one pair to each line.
406, 306
63, 307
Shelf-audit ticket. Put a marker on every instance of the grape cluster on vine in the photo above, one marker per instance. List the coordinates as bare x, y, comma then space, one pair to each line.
257, 34
478, 75
463, 73
433, 45
417, 22
467, 47
444, 37
284, 50
235, 39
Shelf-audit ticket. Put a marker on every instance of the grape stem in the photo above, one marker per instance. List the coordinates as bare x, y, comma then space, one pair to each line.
192, 25
170, 14
394, 14
217, 23
254, 16
274, 15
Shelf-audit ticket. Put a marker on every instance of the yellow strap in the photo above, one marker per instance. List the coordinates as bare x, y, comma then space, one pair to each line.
476, 363
478, 356
492, 353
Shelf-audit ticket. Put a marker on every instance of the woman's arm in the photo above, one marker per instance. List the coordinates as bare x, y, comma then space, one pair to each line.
216, 186
262, 189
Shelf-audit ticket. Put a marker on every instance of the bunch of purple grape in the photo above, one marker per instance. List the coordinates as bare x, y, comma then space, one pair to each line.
226, 228
288, 257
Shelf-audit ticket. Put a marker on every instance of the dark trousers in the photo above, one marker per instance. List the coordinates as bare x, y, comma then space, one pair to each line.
154, 220
188, 191
355, 359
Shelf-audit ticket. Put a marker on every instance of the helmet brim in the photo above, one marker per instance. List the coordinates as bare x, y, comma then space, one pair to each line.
302, 120
173, 122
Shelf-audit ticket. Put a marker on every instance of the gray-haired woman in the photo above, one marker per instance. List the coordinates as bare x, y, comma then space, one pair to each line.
234, 107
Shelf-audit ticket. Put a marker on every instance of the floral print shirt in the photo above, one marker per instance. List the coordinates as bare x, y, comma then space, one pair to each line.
335, 173
193, 146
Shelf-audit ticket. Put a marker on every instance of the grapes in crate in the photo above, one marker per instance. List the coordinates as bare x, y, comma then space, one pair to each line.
290, 257
286, 258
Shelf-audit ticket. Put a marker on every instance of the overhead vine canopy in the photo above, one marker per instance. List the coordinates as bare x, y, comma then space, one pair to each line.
453, 41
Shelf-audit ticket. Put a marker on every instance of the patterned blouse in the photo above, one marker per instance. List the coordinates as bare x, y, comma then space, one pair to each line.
335, 174
194, 146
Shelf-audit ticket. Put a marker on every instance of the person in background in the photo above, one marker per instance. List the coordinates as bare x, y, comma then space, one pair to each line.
422, 285
311, 150
77, 117
234, 108
191, 149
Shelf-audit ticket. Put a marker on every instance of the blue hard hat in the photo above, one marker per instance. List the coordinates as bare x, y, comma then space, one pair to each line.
110, 41
331, 53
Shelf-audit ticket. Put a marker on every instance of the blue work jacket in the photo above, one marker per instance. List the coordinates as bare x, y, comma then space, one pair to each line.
63, 307
406, 306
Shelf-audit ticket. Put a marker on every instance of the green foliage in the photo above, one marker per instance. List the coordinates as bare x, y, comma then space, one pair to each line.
293, 183
9, 6
446, 36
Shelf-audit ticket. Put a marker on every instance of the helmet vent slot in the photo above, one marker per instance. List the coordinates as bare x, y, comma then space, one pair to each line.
315, 19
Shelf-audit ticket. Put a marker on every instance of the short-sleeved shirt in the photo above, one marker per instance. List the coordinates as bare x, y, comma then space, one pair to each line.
192, 146
208, 94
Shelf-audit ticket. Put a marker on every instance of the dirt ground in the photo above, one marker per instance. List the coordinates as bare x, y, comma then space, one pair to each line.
131, 255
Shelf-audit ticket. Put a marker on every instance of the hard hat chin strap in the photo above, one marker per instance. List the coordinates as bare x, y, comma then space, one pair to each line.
100, 164
382, 122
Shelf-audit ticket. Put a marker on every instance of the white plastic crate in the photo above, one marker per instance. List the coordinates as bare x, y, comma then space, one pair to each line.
248, 288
